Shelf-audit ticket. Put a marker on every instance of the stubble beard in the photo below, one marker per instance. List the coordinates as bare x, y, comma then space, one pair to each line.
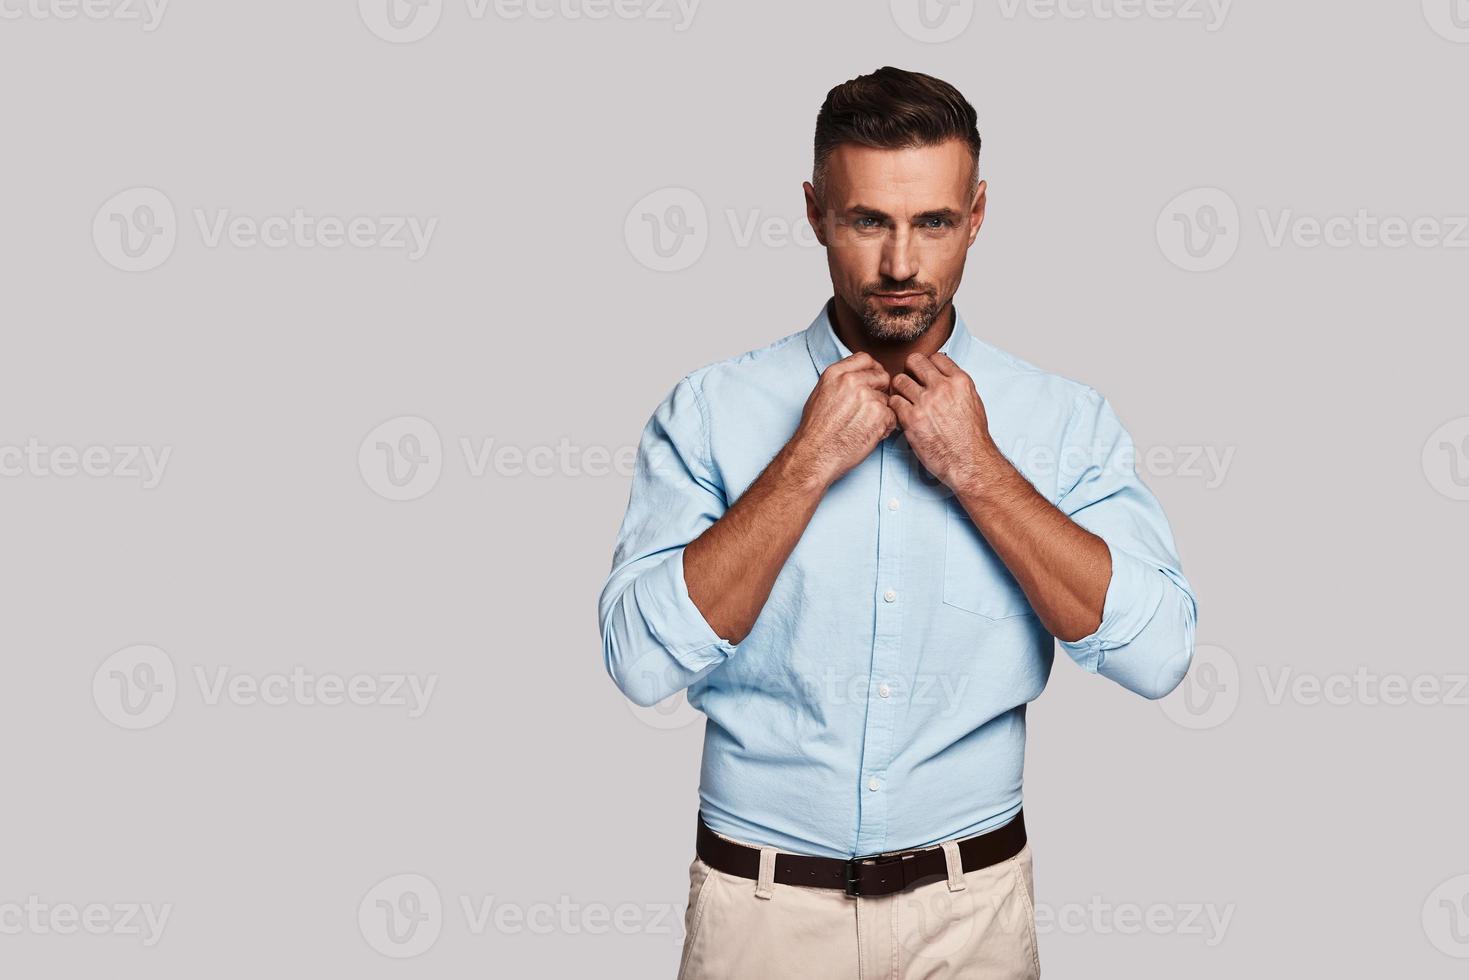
886, 324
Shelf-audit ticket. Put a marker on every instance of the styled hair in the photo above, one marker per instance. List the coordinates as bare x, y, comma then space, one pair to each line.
893, 109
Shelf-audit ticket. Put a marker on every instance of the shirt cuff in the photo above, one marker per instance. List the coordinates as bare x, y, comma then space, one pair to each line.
676, 623
1133, 597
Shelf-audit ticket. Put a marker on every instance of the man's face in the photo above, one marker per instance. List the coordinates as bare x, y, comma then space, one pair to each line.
897, 225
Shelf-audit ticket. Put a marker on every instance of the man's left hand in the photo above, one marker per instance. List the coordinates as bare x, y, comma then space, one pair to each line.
944, 420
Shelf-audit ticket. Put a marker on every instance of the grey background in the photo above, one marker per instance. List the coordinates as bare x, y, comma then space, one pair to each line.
1332, 833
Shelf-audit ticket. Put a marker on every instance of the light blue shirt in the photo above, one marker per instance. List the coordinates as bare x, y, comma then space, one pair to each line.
878, 702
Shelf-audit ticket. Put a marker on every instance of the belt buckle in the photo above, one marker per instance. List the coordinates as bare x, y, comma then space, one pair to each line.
853, 877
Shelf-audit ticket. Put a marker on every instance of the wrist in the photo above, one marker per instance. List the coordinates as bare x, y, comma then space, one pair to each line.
989, 475
801, 469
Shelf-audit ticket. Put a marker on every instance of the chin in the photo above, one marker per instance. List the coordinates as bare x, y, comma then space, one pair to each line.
885, 324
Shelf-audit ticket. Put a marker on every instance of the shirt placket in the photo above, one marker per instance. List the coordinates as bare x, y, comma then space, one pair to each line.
882, 680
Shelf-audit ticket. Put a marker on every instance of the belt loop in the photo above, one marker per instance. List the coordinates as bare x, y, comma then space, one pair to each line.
955, 864
765, 885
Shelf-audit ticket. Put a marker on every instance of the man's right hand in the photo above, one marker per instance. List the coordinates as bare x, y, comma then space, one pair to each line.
730, 569
845, 417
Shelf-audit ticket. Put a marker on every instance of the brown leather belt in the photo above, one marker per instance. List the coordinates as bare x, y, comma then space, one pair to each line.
875, 874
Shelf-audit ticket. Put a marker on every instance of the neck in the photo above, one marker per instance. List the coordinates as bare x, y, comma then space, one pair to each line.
890, 353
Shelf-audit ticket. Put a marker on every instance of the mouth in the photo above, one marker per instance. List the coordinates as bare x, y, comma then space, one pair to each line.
898, 299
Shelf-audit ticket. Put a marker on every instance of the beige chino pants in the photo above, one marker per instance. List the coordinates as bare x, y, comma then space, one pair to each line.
976, 924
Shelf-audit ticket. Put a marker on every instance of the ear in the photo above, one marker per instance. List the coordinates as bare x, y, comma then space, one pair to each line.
813, 212
976, 213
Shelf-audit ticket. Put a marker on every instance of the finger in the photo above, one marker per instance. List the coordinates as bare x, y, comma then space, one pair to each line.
859, 361
875, 377
946, 364
907, 387
901, 407
922, 368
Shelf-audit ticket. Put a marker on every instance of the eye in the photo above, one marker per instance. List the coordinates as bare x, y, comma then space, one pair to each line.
936, 223
864, 218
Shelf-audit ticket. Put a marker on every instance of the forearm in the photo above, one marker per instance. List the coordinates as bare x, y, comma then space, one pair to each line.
1063, 568
731, 567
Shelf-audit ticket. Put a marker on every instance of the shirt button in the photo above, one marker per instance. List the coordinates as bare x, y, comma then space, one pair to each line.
883, 690
893, 503
873, 784
890, 596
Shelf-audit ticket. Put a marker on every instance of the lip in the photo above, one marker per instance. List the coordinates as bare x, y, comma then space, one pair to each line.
898, 298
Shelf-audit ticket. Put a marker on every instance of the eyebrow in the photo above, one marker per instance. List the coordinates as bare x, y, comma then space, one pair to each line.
870, 212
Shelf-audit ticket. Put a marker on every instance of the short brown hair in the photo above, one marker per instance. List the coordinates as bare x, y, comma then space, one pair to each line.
893, 109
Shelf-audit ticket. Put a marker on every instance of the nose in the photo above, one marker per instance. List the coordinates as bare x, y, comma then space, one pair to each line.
899, 259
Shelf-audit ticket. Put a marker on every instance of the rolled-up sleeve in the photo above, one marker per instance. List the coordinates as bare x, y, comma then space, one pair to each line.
655, 641
1146, 638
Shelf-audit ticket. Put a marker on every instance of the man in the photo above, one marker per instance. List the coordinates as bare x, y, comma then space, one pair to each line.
855, 549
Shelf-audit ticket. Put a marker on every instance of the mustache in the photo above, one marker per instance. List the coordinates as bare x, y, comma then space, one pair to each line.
897, 288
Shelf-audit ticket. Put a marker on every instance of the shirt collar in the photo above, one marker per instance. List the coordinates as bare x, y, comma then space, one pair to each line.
827, 348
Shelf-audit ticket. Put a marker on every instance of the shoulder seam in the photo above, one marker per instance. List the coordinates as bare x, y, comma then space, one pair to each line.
705, 424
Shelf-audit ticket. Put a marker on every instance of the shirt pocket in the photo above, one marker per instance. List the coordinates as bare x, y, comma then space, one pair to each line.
975, 579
